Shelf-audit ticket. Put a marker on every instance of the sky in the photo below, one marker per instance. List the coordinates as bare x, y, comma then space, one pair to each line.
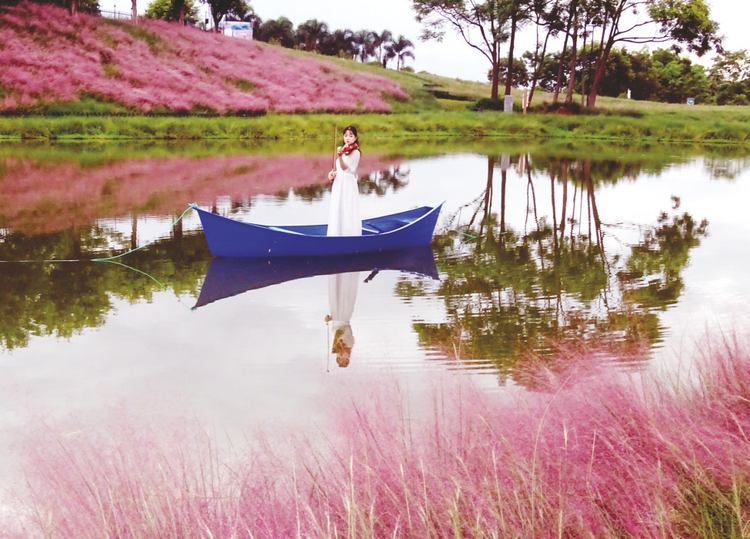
452, 57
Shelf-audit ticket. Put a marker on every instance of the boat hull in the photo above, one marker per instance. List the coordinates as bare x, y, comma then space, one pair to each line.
230, 238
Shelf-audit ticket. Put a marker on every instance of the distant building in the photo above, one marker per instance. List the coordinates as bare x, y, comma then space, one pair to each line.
240, 29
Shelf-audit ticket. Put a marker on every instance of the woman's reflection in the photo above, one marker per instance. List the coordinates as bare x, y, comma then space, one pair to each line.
342, 293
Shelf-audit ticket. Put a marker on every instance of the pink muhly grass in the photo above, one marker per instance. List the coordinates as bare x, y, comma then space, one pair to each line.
186, 68
600, 457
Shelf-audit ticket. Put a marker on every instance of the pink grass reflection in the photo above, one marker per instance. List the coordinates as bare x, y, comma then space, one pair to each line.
41, 197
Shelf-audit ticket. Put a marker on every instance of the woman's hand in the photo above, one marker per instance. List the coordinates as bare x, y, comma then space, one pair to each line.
339, 150
332, 175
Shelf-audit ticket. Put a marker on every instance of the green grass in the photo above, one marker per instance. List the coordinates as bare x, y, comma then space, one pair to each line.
420, 116
663, 125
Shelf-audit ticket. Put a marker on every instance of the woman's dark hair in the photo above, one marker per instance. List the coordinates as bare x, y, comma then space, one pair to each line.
353, 130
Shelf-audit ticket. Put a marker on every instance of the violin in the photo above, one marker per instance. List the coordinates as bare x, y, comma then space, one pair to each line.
348, 149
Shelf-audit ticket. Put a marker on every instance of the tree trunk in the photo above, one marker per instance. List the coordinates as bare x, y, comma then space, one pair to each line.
217, 18
495, 75
573, 11
601, 64
509, 73
573, 60
134, 10
583, 67
504, 176
487, 194
564, 181
539, 65
560, 68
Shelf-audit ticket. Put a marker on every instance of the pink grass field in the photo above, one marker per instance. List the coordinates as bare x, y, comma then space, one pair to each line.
47, 197
49, 56
600, 456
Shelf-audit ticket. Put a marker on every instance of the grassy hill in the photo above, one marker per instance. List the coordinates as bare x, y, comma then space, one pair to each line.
56, 63
87, 77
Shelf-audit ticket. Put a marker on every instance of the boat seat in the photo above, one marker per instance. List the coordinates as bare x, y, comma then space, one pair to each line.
278, 229
384, 225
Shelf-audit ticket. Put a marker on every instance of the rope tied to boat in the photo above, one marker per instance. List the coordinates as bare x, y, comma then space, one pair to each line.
191, 206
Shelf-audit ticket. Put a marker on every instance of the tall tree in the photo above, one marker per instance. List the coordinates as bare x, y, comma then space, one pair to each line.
279, 31
310, 34
222, 8
172, 10
548, 22
399, 49
380, 41
686, 22
365, 42
516, 12
480, 24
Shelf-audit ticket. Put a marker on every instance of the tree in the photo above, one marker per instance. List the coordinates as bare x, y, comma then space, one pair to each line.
686, 22
729, 78
547, 14
399, 49
380, 41
365, 42
310, 34
279, 31
520, 73
516, 12
679, 78
173, 11
222, 8
339, 43
480, 24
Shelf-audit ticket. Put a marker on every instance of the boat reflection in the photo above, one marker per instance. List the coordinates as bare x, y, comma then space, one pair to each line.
228, 277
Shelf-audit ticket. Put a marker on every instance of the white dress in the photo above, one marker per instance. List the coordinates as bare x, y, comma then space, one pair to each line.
343, 215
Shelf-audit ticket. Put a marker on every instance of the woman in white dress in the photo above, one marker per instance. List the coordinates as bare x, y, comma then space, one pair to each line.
343, 217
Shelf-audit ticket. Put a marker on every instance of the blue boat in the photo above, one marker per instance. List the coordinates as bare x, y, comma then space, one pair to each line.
227, 277
230, 238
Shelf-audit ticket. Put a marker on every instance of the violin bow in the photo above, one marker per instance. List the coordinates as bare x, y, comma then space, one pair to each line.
335, 134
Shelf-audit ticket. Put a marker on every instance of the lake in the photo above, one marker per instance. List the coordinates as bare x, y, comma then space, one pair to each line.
635, 253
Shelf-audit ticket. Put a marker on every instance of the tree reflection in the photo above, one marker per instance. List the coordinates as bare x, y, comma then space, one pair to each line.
63, 298
513, 294
377, 183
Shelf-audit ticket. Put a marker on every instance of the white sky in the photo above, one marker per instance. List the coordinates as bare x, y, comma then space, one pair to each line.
452, 57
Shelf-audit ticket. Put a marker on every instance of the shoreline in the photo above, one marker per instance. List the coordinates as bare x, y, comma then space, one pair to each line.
609, 125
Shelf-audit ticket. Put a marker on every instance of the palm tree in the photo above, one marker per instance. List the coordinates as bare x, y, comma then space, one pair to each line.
338, 43
280, 32
399, 50
365, 42
380, 41
310, 34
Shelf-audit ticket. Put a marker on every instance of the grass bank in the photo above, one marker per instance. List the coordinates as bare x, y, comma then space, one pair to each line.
594, 454
662, 125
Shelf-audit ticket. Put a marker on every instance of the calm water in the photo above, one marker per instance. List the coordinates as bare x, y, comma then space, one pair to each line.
637, 256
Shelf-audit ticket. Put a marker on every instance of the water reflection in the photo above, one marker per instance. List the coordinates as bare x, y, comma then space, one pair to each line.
565, 272
342, 295
564, 277
227, 277
61, 299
